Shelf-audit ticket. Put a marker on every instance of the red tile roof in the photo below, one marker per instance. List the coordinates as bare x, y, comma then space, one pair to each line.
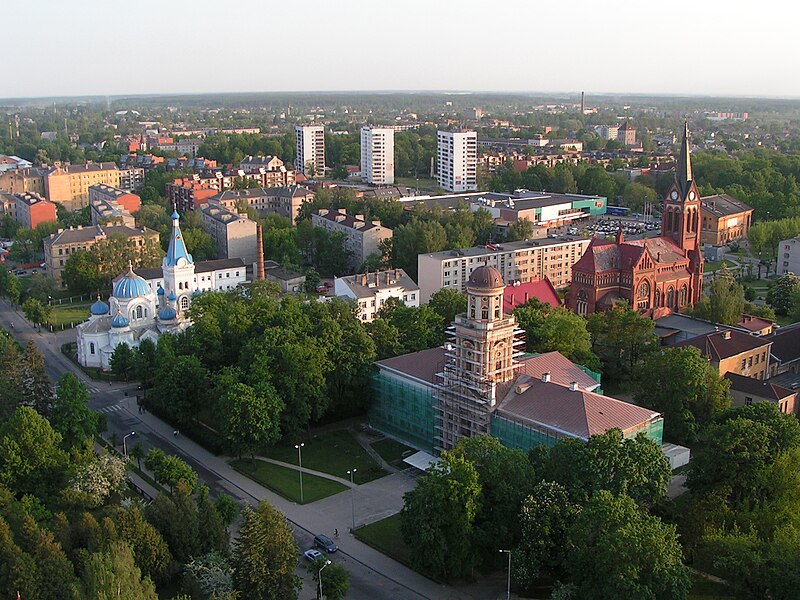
517, 295
421, 365
562, 370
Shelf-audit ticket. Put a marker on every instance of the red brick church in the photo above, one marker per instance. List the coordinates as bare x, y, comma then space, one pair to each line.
656, 275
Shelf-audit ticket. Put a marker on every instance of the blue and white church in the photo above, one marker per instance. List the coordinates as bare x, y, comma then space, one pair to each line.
146, 303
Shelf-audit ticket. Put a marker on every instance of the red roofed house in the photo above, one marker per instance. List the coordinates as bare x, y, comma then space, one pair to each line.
519, 293
656, 275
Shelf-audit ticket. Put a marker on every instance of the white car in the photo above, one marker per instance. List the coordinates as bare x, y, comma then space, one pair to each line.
313, 555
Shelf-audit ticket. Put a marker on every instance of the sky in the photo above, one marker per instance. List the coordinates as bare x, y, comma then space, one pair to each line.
682, 47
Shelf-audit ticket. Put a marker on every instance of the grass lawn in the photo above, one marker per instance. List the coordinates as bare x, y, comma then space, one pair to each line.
425, 183
709, 590
714, 265
335, 453
286, 482
384, 535
65, 314
392, 451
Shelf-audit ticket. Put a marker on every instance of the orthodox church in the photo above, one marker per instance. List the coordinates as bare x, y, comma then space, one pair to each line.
656, 275
149, 302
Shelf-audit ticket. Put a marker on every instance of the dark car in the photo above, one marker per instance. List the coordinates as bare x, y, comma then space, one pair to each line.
325, 543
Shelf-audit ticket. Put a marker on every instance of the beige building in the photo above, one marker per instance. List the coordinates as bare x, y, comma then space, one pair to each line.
746, 390
66, 242
371, 290
731, 351
789, 256
725, 219
23, 181
110, 204
522, 261
234, 234
362, 238
69, 184
284, 201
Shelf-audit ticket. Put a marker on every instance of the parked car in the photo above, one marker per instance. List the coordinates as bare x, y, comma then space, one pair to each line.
313, 555
325, 543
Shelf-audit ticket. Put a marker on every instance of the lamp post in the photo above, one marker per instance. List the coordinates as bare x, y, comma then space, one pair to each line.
124, 445
508, 591
319, 576
351, 472
300, 464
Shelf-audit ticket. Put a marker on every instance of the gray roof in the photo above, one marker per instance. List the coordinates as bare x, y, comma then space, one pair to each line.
365, 285
506, 247
722, 205
92, 232
292, 191
278, 273
207, 266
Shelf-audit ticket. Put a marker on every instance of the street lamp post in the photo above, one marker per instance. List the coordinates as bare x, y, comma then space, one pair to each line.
508, 591
124, 445
300, 464
319, 576
351, 472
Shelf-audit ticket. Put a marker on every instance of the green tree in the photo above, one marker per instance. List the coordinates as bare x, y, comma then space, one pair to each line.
447, 303
250, 418
335, 579
122, 361
36, 312
415, 238
55, 575
227, 509
71, 415
36, 389
780, 294
213, 536
521, 229
175, 517
150, 551
10, 376
145, 362
137, 452
265, 556
113, 575
725, 302
82, 273
170, 470
18, 570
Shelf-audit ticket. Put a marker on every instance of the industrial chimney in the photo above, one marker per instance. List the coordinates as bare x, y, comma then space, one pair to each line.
260, 253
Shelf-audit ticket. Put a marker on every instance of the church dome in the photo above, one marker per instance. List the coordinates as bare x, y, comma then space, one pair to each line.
119, 320
167, 313
172, 297
131, 285
99, 308
160, 291
486, 278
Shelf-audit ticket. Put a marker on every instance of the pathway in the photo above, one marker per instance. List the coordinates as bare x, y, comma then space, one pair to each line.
294, 467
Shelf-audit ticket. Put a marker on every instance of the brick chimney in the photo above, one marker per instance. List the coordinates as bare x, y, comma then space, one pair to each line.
260, 253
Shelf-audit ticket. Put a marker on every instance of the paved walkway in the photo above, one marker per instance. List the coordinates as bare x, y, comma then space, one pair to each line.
306, 470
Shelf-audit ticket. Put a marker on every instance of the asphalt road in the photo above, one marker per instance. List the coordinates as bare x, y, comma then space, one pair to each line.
110, 400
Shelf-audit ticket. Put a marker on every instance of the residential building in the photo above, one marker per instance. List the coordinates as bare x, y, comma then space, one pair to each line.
371, 290
789, 256
362, 238
725, 219
310, 151
655, 275
377, 155
233, 234
146, 162
59, 246
732, 351
745, 391
108, 204
457, 160
143, 306
191, 194
8, 163
626, 134
252, 164
757, 325
32, 209
23, 181
8, 205
284, 201
523, 261
290, 282
131, 179
785, 357
607, 132
481, 383
69, 184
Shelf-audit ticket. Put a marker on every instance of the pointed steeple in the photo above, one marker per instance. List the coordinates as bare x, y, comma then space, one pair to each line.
683, 170
177, 247
620, 235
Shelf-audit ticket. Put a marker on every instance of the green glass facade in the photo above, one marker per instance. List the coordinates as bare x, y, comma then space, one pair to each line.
403, 410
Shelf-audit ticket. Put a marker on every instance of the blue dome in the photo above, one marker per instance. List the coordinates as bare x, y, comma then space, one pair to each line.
160, 291
131, 286
197, 292
119, 320
99, 308
167, 313
172, 297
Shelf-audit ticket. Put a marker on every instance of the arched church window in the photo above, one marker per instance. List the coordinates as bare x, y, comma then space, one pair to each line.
657, 299
582, 304
484, 308
91, 348
671, 297
184, 302
683, 295
139, 312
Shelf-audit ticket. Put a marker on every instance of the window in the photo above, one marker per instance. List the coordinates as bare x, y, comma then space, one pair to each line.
139, 312
748, 400
184, 302
744, 363
91, 348
750, 362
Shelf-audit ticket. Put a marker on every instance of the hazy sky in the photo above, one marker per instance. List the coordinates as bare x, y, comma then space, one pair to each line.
79, 47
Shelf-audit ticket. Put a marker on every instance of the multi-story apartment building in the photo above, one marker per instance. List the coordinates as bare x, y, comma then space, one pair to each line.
372, 290
732, 351
108, 203
789, 256
252, 164
377, 155
522, 261
310, 156
69, 184
626, 134
607, 132
362, 238
32, 209
233, 234
190, 194
284, 201
724, 219
457, 160
131, 179
140, 161
23, 181
65, 242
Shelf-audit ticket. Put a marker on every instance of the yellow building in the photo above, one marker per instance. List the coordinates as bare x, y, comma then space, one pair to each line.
23, 181
725, 219
69, 184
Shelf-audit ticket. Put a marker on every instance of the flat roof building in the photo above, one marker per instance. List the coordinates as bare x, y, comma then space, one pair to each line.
284, 201
233, 234
310, 150
110, 204
377, 155
457, 160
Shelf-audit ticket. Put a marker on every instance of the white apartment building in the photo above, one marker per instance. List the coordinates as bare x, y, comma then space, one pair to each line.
371, 290
377, 155
310, 157
522, 261
457, 160
607, 132
789, 256
362, 238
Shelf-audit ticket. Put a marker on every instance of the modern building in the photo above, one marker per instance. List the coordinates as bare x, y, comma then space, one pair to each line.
371, 290
481, 383
655, 275
59, 246
143, 308
377, 155
789, 256
725, 219
131, 179
110, 204
310, 150
522, 261
284, 201
69, 184
746, 390
732, 351
233, 234
457, 160
31, 210
362, 238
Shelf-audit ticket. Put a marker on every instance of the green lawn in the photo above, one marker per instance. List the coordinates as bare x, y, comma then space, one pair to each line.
286, 482
392, 451
426, 184
334, 453
714, 265
384, 535
65, 314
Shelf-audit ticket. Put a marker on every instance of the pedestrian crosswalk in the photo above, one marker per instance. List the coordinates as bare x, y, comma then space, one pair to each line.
110, 409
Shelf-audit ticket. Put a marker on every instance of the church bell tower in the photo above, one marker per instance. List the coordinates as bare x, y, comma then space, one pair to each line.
680, 220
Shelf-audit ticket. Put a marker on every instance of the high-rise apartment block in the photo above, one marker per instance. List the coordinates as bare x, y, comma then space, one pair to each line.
457, 160
377, 155
310, 157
